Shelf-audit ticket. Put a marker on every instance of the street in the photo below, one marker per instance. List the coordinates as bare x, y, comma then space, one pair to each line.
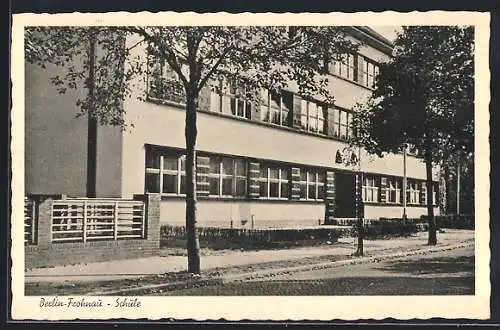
444, 273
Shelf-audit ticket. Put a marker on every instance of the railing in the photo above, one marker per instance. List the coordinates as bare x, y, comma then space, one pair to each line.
167, 90
29, 221
81, 220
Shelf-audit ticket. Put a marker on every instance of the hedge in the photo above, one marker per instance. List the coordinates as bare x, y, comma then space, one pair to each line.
453, 221
215, 237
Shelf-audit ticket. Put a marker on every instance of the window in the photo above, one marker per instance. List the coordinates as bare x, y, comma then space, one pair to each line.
342, 124
370, 190
393, 191
274, 182
166, 174
276, 108
412, 192
370, 72
164, 83
345, 67
233, 101
311, 117
312, 185
227, 177
434, 193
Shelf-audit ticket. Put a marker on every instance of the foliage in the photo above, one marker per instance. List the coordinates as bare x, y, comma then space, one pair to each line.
425, 91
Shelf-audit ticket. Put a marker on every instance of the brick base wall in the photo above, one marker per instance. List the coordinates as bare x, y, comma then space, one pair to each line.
76, 253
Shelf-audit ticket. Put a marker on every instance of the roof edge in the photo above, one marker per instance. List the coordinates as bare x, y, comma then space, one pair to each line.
373, 38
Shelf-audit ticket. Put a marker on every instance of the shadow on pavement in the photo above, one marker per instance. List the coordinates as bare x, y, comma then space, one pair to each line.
340, 287
439, 265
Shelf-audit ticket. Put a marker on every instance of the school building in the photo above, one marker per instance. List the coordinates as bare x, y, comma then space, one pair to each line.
278, 162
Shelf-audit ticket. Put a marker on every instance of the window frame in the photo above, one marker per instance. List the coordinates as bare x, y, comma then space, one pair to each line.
280, 180
319, 118
179, 173
338, 123
220, 176
317, 183
396, 188
373, 189
270, 109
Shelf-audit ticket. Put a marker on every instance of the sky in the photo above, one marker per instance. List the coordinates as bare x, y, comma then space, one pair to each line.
387, 31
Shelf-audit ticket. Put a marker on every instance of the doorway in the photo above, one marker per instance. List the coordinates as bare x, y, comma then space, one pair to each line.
345, 195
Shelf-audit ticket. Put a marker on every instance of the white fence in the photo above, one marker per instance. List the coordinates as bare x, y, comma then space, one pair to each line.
29, 221
82, 219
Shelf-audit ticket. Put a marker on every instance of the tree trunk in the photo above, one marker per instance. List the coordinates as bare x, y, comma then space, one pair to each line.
193, 244
432, 240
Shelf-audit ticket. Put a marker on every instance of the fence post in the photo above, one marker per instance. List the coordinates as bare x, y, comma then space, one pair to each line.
84, 227
151, 216
43, 218
33, 222
115, 222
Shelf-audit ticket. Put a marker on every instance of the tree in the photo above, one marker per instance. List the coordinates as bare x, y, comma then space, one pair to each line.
423, 97
256, 57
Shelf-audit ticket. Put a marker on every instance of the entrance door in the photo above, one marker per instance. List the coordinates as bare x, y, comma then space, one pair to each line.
345, 195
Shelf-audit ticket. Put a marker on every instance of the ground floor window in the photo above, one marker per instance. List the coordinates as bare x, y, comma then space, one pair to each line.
312, 185
412, 192
274, 182
370, 189
434, 194
166, 174
394, 191
227, 177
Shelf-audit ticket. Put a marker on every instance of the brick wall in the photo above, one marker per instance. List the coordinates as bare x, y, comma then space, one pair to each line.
47, 254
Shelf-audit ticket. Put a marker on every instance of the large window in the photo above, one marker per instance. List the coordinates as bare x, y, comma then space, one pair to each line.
342, 124
227, 177
370, 72
233, 100
164, 83
276, 108
312, 117
312, 185
412, 192
166, 174
274, 182
370, 189
393, 191
345, 67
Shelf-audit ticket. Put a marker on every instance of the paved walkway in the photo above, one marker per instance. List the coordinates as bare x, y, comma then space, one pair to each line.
133, 268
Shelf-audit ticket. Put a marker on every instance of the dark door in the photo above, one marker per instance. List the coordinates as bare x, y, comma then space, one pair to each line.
345, 195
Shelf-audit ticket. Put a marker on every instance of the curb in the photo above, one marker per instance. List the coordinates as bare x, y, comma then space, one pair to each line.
262, 274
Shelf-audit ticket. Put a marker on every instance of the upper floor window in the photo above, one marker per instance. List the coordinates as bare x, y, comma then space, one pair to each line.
274, 182
166, 174
312, 118
312, 185
276, 108
232, 101
164, 83
370, 189
227, 177
369, 73
342, 124
345, 67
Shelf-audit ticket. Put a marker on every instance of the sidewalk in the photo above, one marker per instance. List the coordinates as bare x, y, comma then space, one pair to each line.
136, 268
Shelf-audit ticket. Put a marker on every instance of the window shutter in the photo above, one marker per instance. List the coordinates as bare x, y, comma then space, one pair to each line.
204, 98
359, 197
202, 170
422, 195
383, 191
255, 112
361, 64
295, 195
297, 100
253, 182
330, 197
